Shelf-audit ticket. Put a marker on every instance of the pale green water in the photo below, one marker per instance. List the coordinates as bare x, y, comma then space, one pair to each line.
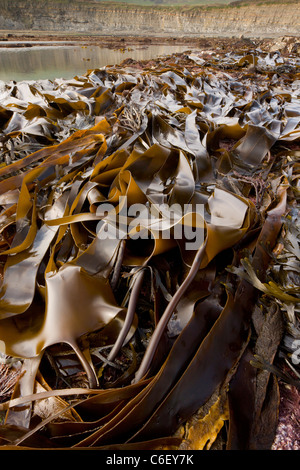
49, 62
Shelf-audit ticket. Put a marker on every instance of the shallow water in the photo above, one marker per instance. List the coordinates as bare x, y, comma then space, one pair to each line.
65, 61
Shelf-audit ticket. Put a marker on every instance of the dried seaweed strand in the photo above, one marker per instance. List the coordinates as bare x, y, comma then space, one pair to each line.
148, 356
129, 316
90, 372
118, 266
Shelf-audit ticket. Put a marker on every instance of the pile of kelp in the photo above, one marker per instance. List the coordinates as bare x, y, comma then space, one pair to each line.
126, 335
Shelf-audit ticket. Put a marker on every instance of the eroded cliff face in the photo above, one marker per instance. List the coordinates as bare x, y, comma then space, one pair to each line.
253, 21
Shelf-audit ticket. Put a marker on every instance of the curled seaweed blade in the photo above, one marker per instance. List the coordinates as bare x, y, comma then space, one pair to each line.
23, 266
148, 227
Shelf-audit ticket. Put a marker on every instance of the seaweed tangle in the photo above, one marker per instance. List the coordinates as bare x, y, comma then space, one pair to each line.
149, 253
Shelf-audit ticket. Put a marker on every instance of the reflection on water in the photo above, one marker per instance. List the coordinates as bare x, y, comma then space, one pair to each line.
42, 62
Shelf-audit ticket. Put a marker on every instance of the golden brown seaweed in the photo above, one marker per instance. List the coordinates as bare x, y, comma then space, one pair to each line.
166, 341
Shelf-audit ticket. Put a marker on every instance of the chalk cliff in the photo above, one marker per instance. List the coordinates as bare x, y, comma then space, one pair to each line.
256, 20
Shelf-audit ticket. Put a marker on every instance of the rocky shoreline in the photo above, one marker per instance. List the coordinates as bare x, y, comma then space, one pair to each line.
284, 44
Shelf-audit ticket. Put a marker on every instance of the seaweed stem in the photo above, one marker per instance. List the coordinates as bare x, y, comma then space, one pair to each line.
153, 343
129, 316
118, 266
91, 375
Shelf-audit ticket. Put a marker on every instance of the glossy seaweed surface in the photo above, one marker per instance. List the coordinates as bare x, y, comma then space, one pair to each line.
126, 341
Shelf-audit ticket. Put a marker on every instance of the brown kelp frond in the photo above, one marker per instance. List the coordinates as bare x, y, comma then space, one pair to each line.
149, 254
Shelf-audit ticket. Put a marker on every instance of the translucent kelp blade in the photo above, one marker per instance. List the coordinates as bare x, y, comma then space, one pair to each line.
76, 303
